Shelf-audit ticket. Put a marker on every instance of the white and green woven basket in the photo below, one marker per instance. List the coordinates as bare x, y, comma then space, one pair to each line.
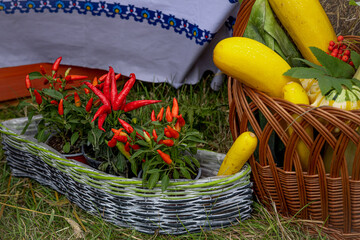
186, 206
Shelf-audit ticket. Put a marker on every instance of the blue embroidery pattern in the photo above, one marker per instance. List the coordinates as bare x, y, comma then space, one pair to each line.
153, 17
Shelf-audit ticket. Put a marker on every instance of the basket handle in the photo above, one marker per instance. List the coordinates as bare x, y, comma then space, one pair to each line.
242, 18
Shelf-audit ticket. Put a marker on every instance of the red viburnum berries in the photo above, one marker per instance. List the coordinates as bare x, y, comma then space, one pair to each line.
340, 50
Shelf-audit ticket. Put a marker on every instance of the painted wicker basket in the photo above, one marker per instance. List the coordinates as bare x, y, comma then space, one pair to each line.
186, 206
332, 199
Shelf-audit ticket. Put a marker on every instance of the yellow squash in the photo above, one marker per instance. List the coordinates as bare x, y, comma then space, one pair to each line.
307, 24
253, 64
238, 154
295, 93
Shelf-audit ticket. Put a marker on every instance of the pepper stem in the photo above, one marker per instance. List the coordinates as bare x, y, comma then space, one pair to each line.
357, 74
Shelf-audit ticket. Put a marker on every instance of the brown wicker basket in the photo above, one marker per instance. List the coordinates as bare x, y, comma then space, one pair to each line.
331, 199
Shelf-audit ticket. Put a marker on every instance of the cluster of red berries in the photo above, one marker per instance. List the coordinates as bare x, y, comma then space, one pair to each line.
340, 50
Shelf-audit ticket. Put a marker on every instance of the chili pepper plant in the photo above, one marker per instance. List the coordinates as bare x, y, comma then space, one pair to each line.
64, 118
163, 149
109, 109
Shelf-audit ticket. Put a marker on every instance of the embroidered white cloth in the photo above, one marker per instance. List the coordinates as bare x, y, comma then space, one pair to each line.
159, 41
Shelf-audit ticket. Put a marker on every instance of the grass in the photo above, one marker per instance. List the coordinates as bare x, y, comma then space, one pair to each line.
29, 210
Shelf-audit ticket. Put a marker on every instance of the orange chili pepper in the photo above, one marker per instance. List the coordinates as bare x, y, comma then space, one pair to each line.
175, 108
61, 107
27, 82
95, 81
164, 156
77, 99
167, 142
160, 115
173, 132
168, 114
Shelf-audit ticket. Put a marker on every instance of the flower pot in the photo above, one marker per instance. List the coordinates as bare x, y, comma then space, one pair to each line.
91, 161
77, 157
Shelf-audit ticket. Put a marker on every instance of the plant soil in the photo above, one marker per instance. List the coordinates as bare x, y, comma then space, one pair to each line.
57, 143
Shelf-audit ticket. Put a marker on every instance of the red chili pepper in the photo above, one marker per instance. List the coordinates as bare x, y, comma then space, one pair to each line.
173, 132
100, 86
113, 89
106, 89
46, 81
175, 108
164, 156
27, 82
102, 110
38, 97
58, 80
160, 115
168, 115
42, 70
112, 142
167, 142
70, 78
126, 126
66, 97
77, 99
121, 138
56, 64
101, 121
89, 105
95, 81
122, 95
117, 76
86, 90
102, 78
61, 107
138, 104
153, 118
154, 134
54, 102
167, 133
101, 96
127, 146
181, 120
135, 146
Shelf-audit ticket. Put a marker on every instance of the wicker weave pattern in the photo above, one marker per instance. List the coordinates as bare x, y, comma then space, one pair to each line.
207, 203
332, 198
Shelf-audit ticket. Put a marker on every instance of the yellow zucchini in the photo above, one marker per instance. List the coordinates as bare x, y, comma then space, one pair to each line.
252, 63
295, 93
307, 24
238, 154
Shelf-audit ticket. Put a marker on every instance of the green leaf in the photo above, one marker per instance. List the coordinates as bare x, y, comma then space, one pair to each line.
335, 66
195, 139
134, 167
30, 116
154, 170
327, 83
153, 179
42, 136
355, 57
185, 172
196, 162
103, 166
322, 69
66, 147
53, 93
176, 174
74, 138
35, 75
165, 182
302, 72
